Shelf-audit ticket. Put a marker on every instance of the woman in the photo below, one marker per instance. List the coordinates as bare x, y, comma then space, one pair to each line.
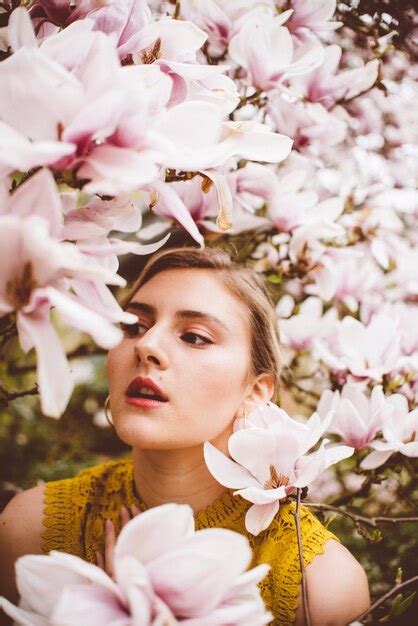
204, 352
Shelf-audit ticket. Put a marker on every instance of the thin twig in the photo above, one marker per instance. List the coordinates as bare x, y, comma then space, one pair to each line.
9, 396
371, 521
386, 596
301, 560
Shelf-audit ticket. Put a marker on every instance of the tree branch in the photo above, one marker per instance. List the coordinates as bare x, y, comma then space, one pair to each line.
360, 519
305, 602
9, 396
386, 596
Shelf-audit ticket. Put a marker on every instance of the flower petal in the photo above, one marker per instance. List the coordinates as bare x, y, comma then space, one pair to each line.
375, 459
84, 319
53, 372
410, 449
193, 579
225, 470
20, 30
20, 616
260, 516
113, 170
39, 196
262, 496
77, 604
170, 204
142, 536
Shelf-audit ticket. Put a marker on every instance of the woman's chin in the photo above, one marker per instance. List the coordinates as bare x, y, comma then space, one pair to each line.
145, 431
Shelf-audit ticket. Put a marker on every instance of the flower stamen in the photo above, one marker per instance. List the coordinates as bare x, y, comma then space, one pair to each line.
276, 479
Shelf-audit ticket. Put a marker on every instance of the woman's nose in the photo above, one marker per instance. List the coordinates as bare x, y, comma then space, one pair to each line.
148, 349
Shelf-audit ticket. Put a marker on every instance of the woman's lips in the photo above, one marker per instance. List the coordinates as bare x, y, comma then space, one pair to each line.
147, 403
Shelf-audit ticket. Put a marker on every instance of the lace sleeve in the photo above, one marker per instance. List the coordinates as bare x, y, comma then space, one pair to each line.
65, 506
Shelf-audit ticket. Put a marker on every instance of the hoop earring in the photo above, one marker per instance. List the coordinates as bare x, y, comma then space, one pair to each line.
107, 411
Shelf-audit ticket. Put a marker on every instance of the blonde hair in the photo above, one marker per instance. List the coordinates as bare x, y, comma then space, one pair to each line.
244, 283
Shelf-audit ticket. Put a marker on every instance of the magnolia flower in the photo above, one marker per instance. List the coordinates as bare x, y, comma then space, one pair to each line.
271, 459
293, 205
165, 574
38, 270
326, 86
400, 433
314, 16
365, 351
358, 417
116, 118
299, 331
219, 18
264, 47
206, 198
81, 96
310, 125
348, 275
130, 22
123, 18
197, 146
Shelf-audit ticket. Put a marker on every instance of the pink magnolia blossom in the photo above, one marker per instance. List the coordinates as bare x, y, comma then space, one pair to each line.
300, 331
348, 275
90, 225
310, 125
363, 351
197, 148
265, 49
178, 40
358, 417
271, 459
218, 18
305, 246
38, 270
314, 16
116, 117
86, 101
20, 153
99, 217
196, 81
170, 44
400, 433
216, 209
165, 574
326, 86
293, 205
407, 316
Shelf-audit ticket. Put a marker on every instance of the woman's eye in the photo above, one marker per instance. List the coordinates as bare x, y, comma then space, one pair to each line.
132, 330
195, 339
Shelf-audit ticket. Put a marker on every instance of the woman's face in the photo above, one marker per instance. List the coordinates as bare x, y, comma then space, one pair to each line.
193, 340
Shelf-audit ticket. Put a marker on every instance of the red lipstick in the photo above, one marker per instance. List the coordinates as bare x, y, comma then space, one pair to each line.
145, 393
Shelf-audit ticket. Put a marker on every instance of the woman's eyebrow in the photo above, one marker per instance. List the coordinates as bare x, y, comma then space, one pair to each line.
182, 314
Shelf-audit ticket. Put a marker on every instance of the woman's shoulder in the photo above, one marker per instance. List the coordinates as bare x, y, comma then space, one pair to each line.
20, 533
332, 573
337, 586
21, 519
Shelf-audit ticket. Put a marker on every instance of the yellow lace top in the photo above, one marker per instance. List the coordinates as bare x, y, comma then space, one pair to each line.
76, 509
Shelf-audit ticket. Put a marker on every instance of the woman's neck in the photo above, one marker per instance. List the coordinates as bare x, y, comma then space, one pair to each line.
179, 476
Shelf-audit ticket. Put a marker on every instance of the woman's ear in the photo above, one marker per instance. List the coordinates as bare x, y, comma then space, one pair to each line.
262, 389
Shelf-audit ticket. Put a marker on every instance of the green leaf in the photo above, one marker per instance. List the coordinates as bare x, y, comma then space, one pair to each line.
399, 606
